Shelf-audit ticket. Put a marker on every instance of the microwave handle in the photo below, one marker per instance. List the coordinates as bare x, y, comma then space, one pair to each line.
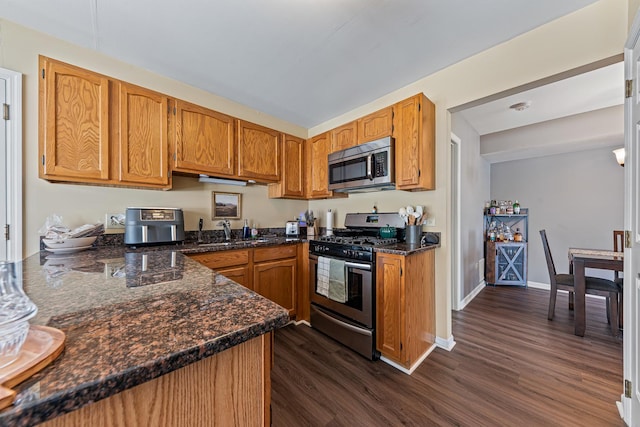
370, 160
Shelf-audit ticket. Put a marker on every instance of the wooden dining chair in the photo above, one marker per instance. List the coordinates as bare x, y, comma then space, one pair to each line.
593, 285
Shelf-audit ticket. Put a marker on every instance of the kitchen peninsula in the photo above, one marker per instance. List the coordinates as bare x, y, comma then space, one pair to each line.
152, 338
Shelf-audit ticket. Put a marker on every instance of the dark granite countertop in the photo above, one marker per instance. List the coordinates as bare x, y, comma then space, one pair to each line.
405, 249
130, 315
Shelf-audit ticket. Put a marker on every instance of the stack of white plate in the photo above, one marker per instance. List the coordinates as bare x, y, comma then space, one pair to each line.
67, 246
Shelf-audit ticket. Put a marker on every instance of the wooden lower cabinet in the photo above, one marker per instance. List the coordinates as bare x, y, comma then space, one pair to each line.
272, 271
229, 388
240, 274
276, 280
405, 306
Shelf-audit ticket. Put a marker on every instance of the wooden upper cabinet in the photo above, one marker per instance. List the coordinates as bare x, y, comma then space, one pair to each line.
292, 183
415, 144
258, 152
344, 136
144, 130
74, 123
318, 149
375, 125
204, 141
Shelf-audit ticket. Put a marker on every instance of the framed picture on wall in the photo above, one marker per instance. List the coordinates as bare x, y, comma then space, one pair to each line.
226, 205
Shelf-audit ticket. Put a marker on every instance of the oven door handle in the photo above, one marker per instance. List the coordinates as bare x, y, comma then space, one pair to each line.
358, 266
343, 324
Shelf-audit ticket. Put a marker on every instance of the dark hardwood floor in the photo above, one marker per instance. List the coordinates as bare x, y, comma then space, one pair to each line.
510, 367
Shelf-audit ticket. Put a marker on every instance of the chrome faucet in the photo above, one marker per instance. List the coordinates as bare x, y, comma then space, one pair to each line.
227, 229
200, 226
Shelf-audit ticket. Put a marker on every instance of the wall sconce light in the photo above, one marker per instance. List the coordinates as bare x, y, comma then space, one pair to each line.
619, 156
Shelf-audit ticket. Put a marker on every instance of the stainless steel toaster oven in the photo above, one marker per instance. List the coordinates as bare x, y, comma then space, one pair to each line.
150, 226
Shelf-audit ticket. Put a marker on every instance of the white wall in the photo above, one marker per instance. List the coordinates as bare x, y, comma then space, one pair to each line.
475, 182
577, 197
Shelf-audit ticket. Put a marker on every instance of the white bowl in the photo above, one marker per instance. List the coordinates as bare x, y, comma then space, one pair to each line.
69, 243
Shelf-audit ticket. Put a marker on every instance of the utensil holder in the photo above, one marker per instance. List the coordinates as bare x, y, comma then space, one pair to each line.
413, 234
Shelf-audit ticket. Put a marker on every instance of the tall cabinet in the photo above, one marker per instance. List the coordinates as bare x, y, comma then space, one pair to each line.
506, 260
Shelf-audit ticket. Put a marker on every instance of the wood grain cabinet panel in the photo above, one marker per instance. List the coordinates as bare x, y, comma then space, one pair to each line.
144, 141
204, 141
318, 149
74, 123
258, 152
292, 183
375, 125
405, 301
276, 280
414, 134
230, 388
389, 301
240, 274
344, 137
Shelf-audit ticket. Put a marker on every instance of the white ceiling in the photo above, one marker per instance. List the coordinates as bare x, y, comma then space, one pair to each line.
303, 61
590, 91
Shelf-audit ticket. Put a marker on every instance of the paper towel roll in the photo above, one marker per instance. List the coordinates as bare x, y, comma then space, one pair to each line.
329, 223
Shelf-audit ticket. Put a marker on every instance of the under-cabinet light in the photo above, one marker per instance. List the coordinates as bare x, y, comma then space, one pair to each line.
211, 180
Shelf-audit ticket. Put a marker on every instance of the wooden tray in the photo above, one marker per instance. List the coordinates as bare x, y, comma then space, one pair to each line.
42, 346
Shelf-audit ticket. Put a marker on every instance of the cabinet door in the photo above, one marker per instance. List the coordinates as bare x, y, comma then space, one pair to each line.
318, 165
389, 305
510, 264
415, 144
258, 152
344, 136
223, 259
375, 125
240, 274
74, 122
204, 141
292, 183
276, 280
144, 143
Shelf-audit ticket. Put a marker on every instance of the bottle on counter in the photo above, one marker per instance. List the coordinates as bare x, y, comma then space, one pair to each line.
254, 231
516, 207
246, 231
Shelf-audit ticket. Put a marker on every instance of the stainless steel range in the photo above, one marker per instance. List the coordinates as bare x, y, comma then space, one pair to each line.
342, 280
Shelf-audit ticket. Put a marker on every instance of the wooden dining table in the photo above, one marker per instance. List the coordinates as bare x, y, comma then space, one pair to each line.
579, 259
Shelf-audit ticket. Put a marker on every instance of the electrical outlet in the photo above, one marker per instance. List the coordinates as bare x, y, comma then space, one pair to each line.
114, 221
431, 222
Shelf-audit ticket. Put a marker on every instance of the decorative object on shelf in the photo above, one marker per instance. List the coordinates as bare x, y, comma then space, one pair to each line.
226, 205
506, 246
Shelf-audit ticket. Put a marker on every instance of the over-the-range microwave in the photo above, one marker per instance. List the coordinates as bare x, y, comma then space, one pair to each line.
365, 167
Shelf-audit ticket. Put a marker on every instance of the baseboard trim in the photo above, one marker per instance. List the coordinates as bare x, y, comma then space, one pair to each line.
301, 322
538, 285
414, 366
471, 295
446, 343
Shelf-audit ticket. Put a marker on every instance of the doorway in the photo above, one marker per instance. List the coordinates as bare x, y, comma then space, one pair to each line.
11, 165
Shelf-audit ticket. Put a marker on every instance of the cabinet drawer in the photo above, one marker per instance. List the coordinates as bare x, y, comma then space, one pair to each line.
220, 259
277, 252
